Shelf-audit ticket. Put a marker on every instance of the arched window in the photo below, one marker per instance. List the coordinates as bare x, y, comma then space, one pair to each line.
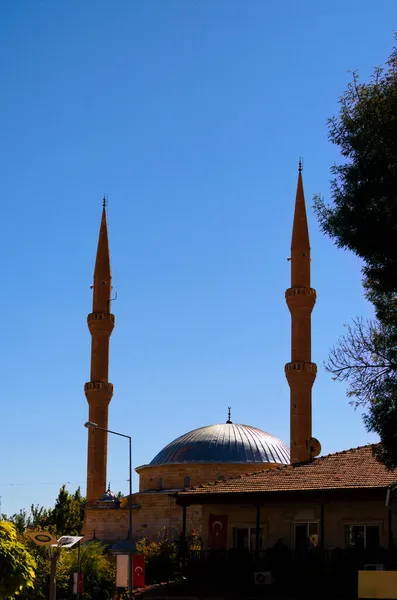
159, 484
186, 481
220, 477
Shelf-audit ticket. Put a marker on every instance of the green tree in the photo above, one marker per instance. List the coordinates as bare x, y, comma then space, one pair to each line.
362, 217
20, 520
40, 517
97, 567
17, 566
66, 518
41, 555
68, 513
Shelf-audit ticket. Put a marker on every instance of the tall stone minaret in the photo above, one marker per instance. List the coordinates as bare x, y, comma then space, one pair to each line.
99, 391
301, 371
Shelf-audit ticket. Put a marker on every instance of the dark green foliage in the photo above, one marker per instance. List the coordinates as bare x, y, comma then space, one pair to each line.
68, 514
66, 518
363, 218
382, 419
97, 567
41, 555
161, 557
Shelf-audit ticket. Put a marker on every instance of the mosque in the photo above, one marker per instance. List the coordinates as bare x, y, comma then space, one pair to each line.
247, 467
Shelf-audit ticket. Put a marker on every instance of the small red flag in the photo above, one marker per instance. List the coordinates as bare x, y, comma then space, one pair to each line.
80, 583
138, 567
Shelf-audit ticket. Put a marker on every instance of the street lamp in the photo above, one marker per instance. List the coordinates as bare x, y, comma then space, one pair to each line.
91, 425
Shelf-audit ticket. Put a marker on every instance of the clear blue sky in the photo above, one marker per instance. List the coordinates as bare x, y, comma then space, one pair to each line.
191, 115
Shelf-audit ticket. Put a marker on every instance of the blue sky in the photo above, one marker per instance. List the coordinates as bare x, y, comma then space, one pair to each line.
191, 115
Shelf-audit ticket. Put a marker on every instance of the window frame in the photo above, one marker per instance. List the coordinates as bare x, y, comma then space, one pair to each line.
364, 525
251, 532
307, 523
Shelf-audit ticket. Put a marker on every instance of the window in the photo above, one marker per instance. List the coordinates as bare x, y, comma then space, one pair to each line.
359, 537
159, 484
305, 535
244, 538
186, 481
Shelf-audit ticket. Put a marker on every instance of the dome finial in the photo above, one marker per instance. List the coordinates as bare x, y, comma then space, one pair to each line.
229, 415
108, 487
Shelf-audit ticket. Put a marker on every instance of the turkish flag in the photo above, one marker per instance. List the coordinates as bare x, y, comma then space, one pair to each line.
217, 532
138, 568
80, 583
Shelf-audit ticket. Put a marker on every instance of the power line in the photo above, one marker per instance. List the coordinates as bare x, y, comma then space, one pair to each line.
53, 483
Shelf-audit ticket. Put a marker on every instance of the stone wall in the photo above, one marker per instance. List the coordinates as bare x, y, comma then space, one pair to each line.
152, 513
172, 476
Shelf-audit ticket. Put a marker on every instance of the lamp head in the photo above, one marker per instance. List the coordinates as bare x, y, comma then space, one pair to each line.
91, 425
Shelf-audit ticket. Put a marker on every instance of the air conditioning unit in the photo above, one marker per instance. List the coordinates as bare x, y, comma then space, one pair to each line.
263, 578
374, 567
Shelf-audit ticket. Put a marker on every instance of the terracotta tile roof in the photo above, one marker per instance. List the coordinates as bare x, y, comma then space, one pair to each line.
351, 469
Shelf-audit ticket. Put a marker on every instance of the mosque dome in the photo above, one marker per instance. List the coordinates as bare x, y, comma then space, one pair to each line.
109, 497
224, 443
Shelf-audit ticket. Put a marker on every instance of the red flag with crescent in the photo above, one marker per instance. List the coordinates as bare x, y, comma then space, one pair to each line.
138, 569
217, 532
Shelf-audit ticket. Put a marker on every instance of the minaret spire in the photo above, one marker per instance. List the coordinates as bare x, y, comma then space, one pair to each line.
98, 390
301, 372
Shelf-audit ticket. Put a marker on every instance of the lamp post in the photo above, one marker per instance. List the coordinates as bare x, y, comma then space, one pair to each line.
91, 425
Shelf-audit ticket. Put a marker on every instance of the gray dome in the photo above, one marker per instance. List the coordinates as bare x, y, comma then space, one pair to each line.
109, 497
225, 443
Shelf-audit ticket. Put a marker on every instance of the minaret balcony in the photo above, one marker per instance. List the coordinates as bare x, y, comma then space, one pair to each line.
301, 297
302, 366
302, 370
100, 322
98, 390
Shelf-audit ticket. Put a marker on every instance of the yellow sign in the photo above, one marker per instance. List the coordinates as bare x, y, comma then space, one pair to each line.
42, 538
377, 584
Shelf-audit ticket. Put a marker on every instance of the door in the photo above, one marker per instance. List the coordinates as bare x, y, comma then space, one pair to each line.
301, 537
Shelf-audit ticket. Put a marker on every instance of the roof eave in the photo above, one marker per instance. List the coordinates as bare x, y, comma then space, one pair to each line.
266, 496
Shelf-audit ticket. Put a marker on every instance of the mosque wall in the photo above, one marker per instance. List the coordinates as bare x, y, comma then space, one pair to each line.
105, 524
159, 512
174, 476
153, 514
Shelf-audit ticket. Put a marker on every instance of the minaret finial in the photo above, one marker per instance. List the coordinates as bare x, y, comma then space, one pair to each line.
300, 165
229, 415
105, 201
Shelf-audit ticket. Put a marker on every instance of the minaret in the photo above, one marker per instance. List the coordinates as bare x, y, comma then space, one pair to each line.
99, 391
301, 371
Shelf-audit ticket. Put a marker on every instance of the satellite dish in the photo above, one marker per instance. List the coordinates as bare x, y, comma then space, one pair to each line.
315, 447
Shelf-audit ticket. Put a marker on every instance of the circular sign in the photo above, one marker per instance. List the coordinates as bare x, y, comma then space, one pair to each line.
42, 538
